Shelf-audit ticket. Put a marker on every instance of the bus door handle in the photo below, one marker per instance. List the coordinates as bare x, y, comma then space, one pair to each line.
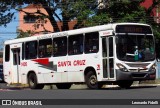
65, 71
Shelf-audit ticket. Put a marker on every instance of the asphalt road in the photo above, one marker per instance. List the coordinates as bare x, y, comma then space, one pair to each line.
80, 92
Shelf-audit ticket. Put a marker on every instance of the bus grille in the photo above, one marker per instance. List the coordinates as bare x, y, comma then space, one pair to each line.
139, 75
136, 70
138, 65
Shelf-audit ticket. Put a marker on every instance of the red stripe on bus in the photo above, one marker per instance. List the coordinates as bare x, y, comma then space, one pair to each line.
44, 61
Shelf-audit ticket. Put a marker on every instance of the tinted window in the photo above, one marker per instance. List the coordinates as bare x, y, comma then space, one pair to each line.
133, 29
7, 53
31, 50
45, 48
75, 44
92, 42
23, 51
110, 46
60, 46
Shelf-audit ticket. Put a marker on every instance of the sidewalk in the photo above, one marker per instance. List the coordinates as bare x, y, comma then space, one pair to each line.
83, 86
135, 84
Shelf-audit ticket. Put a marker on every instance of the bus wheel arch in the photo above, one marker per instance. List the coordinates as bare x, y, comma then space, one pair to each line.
32, 81
90, 77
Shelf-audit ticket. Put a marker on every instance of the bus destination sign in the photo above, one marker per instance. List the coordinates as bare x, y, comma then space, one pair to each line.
133, 29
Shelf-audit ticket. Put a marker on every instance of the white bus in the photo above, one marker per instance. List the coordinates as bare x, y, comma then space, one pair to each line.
117, 53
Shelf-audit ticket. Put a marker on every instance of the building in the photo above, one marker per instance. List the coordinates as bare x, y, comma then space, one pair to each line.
155, 12
30, 22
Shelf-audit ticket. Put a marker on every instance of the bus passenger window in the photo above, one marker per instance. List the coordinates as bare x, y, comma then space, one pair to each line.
60, 46
7, 53
91, 42
31, 50
75, 44
45, 48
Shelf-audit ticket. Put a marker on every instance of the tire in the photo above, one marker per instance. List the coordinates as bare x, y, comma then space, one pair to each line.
32, 81
125, 84
63, 85
91, 80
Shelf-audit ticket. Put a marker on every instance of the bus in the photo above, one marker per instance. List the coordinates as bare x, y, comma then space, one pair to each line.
116, 53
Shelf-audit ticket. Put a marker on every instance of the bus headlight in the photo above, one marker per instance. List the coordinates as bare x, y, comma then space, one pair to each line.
153, 67
122, 67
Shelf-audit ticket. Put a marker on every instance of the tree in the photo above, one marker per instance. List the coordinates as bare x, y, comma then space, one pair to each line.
68, 8
86, 12
22, 34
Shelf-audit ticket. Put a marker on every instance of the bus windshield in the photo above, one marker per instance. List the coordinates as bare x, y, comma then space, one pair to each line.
135, 47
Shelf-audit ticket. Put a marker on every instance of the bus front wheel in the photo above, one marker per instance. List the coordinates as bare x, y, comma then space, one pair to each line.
32, 81
91, 80
125, 84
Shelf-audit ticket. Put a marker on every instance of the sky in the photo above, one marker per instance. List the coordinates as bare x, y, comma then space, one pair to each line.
9, 32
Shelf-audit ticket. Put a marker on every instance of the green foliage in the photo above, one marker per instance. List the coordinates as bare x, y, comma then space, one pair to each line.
23, 34
86, 12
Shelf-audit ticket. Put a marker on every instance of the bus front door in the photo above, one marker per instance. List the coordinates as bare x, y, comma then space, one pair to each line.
15, 65
108, 57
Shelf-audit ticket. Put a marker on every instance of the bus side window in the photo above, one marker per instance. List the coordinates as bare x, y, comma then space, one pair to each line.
75, 44
60, 46
92, 42
7, 53
31, 50
45, 48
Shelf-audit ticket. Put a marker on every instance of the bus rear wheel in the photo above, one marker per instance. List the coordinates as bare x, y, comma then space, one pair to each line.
63, 85
32, 81
125, 84
91, 80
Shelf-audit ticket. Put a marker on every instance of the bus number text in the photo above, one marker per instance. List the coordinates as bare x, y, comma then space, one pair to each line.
24, 64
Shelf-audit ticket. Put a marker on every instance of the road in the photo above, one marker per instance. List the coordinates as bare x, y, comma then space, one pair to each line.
81, 92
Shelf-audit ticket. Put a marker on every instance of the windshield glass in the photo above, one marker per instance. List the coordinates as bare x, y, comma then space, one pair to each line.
135, 47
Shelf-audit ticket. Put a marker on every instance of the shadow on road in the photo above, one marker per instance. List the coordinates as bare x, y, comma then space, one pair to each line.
132, 87
77, 87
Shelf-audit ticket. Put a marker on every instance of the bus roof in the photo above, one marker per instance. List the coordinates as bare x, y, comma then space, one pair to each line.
110, 26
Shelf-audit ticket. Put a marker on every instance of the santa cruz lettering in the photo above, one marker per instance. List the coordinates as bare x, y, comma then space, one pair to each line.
72, 63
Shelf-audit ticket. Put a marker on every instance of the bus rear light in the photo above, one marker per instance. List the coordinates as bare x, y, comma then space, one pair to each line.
122, 67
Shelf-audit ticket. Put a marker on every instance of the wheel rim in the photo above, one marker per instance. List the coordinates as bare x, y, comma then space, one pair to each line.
31, 81
93, 80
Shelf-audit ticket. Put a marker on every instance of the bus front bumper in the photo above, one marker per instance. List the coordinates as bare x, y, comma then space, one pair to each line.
135, 76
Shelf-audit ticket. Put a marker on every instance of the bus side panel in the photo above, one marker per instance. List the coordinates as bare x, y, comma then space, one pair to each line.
30, 66
94, 60
76, 66
49, 71
56, 71
6, 72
